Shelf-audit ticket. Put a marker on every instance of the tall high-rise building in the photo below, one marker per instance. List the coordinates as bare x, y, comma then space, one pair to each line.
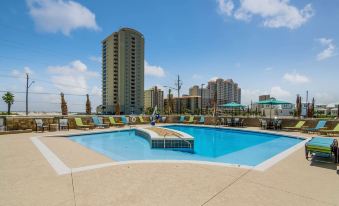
154, 97
225, 91
123, 72
204, 94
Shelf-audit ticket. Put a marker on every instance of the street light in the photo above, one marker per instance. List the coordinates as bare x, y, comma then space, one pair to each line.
202, 87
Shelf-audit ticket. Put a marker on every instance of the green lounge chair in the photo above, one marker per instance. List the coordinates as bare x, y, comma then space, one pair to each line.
114, 123
298, 126
81, 125
181, 119
98, 122
190, 120
320, 125
142, 121
323, 145
201, 120
335, 130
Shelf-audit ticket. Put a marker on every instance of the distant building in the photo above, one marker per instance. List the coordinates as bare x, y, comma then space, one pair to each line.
225, 91
154, 97
123, 72
189, 104
196, 91
264, 97
275, 110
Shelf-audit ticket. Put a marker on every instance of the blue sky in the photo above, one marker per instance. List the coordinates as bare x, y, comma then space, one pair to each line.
267, 46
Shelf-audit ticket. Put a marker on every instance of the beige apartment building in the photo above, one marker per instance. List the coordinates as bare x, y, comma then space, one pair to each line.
226, 91
188, 104
123, 72
154, 97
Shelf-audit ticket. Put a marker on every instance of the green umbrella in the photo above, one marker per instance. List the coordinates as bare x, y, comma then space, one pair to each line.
272, 102
232, 105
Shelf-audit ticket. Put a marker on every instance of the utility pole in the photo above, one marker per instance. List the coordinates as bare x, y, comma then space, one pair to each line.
28, 85
179, 84
201, 93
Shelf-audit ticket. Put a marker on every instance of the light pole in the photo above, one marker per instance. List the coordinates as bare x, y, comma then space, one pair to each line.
201, 93
28, 85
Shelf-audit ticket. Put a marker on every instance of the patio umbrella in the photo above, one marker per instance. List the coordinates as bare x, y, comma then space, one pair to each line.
272, 102
232, 105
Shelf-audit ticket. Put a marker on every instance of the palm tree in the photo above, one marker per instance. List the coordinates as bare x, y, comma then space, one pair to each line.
9, 100
64, 110
88, 105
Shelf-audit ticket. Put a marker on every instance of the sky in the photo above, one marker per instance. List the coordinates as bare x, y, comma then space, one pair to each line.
277, 47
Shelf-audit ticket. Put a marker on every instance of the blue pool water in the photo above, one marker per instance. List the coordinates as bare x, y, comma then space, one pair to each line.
211, 144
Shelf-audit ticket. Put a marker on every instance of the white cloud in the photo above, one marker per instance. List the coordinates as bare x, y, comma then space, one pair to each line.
296, 78
71, 78
274, 13
152, 70
61, 16
96, 59
329, 50
225, 6
74, 68
279, 93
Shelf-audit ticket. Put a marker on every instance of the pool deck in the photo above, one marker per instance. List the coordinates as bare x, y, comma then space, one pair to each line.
27, 178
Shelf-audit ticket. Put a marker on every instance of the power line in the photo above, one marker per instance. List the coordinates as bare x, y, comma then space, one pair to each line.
48, 93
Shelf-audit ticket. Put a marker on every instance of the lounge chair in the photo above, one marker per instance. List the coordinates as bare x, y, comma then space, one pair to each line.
335, 130
181, 119
81, 125
142, 121
264, 124
124, 120
39, 124
236, 122
201, 120
242, 123
190, 120
98, 122
320, 125
114, 123
63, 124
2, 124
277, 124
323, 145
229, 122
298, 126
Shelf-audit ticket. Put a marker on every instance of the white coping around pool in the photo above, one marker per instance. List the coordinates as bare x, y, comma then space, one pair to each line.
61, 169
155, 136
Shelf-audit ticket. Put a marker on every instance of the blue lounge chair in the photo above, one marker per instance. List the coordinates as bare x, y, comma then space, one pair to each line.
181, 119
98, 122
124, 119
319, 126
324, 145
201, 120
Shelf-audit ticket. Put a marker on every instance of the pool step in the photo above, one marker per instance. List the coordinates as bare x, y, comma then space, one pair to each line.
166, 138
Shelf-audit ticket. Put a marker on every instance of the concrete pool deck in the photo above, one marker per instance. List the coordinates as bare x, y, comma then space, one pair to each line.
26, 178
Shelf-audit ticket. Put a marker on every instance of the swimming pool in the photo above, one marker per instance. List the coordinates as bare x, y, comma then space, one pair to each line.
211, 144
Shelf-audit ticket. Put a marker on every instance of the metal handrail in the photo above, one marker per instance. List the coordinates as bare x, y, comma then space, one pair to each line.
184, 140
